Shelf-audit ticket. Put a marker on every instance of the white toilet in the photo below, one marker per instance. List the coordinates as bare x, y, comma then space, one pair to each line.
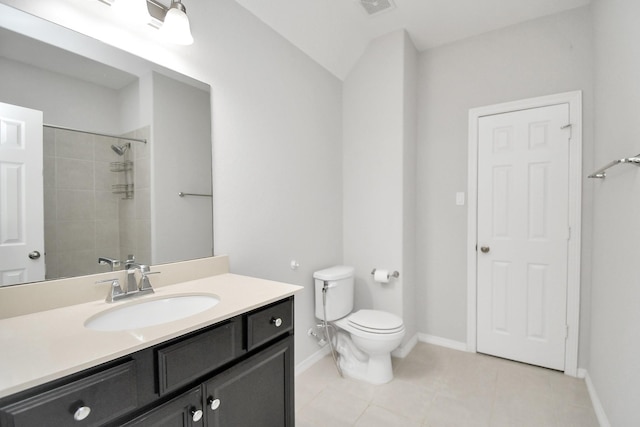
365, 352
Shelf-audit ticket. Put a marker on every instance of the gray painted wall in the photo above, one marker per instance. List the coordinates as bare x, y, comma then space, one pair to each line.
615, 350
379, 174
40, 89
181, 162
277, 135
541, 57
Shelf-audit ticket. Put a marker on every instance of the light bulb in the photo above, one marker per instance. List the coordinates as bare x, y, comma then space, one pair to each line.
176, 27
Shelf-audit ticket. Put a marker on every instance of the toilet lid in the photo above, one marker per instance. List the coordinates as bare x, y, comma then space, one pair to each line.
376, 321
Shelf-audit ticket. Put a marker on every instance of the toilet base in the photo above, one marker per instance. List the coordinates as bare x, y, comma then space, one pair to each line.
373, 369
377, 370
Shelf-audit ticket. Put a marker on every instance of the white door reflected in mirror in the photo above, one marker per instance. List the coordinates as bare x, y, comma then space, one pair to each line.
21, 195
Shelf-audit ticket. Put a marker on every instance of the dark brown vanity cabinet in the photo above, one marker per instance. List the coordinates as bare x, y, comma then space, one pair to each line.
232, 374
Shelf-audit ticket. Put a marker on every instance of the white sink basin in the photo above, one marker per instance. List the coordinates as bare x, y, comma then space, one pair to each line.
150, 312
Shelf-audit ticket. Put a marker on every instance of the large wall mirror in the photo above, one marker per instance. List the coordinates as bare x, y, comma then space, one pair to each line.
120, 138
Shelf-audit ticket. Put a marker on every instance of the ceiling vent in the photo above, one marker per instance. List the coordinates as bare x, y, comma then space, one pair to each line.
373, 7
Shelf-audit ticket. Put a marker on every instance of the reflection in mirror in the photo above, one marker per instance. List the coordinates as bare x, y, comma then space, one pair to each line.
103, 195
96, 201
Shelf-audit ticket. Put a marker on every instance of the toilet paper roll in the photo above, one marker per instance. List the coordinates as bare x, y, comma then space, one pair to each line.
381, 276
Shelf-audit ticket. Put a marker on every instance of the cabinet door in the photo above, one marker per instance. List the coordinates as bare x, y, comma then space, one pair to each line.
255, 393
183, 411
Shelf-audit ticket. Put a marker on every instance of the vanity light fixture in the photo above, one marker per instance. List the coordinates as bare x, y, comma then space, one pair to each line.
172, 21
132, 10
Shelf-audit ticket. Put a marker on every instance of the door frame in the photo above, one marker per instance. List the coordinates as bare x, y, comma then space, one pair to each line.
574, 99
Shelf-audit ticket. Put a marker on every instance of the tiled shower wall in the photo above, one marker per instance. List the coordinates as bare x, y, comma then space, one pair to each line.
135, 214
83, 219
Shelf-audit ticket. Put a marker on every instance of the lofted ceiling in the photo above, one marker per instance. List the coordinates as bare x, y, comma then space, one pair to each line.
336, 32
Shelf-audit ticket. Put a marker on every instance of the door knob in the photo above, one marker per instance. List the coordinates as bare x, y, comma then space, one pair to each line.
485, 249
34, 255
81, 413
213, 403
196, 414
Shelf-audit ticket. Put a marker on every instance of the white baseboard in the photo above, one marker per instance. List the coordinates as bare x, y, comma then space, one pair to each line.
443, 342
309, 361
582, 373
404, 350
595, 400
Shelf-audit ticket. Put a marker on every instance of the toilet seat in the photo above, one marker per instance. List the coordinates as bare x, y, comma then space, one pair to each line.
372, 322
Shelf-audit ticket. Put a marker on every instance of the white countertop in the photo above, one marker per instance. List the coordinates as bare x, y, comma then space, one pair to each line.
40, 347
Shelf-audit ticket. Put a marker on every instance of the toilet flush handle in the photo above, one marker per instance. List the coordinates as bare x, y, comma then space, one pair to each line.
327, 284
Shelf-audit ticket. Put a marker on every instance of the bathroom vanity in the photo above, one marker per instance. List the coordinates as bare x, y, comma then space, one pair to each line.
230, 365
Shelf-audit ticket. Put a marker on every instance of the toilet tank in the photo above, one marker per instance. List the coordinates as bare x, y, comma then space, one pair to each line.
339, 297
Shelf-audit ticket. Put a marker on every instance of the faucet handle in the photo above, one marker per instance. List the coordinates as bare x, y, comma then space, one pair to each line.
145, 284
115, 279
142, 268
115, 291
131, 260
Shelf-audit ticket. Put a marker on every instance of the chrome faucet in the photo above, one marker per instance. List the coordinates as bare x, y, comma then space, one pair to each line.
117, 292
113, 263
144, 286
131, 268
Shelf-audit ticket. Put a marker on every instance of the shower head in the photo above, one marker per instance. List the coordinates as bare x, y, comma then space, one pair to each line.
121, 149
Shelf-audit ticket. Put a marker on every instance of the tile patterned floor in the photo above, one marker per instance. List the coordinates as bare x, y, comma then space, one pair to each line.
439, 387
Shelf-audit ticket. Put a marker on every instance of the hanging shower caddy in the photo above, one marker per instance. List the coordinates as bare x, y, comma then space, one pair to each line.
126, 189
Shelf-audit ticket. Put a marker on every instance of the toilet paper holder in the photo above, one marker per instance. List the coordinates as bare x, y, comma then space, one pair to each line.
395, 274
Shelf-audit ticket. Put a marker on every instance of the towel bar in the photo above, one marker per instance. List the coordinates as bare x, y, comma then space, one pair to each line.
600, 173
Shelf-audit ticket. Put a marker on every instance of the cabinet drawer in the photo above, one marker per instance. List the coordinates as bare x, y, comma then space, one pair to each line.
269, 323
186, 360
107, 395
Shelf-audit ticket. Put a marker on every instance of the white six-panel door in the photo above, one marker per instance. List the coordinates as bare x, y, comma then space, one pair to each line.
523, 232
21, 196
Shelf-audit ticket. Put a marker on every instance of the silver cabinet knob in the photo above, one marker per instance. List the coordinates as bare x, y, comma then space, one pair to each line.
485, 249
34, 255
196, 414
277, 321
213, 403
81, 413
